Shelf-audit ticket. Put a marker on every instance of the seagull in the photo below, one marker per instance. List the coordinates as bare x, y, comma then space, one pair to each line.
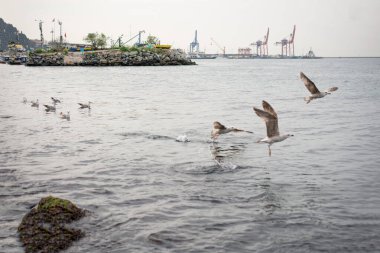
24, 100
55, 100
221, 129
65, 116
315, 93
50, 108
83, 106
35, 104
271, 121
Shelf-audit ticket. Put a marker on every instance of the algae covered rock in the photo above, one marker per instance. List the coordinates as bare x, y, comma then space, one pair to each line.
44, 228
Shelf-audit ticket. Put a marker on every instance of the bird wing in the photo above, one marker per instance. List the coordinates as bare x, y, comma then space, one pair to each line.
268, 108
218, 125
81, 104
309, 84
332, 89
270, 120
48, 106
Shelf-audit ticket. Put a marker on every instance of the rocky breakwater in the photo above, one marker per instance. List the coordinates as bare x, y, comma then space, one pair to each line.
44, 229
45, 59
113, 57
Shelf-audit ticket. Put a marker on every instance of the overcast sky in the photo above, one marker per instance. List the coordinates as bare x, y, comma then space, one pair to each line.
330, 27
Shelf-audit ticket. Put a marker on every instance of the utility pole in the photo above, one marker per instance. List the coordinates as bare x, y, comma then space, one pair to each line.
60, 32
42, 35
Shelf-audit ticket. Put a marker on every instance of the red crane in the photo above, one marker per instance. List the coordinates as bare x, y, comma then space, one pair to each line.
262, 46
291, 42
287, 45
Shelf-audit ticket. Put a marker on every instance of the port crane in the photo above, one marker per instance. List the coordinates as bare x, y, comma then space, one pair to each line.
194, 46
262, 46
221, 48
287, 45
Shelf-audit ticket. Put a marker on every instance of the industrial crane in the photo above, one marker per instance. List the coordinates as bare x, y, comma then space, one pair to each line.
118, 41
139, 40
194, 46
221, 48
291, 41
262, 46
287, 45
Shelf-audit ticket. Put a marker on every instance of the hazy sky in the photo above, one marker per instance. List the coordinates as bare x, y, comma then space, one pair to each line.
330, 27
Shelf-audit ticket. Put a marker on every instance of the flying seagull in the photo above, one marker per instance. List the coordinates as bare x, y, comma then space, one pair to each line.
55, 100
221, 129
83, 106
65, 116
50, 108
315, 93
271, 121
35, 104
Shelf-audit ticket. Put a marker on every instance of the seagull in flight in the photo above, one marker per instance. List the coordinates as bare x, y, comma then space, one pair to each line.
221, 129
315, 93
271, 121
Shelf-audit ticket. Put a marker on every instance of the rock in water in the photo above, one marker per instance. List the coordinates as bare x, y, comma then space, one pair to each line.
44, 228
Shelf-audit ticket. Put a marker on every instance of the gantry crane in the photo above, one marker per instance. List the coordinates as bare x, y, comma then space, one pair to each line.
194, 46
221, 48
287, 45
262, 45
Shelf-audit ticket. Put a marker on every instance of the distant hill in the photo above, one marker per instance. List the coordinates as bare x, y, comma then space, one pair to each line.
10, 33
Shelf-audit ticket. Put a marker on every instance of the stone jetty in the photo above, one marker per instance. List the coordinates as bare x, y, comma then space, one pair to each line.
111, 57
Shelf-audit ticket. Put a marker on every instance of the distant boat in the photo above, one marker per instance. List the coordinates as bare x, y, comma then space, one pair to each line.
201, 55
14, 61
163, 46
310, 55
2, 60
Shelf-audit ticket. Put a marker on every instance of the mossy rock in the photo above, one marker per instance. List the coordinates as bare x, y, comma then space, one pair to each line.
44, 228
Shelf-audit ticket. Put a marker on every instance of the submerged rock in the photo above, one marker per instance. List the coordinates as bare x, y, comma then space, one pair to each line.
44, 228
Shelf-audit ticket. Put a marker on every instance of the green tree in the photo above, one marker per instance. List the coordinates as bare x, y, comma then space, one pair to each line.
91, 38
151, 39
101, 40
96, 40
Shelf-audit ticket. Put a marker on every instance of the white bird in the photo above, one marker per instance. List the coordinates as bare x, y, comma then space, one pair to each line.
315, 93
55, 100
219, 129
24, 100
65, 116
271, 121
50, 108
83, 106
35, 104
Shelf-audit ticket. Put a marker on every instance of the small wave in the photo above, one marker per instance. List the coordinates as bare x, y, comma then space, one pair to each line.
5, 116
167, 237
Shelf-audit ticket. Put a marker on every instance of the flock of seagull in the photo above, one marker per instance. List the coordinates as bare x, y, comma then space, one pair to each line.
53, 108
269, 115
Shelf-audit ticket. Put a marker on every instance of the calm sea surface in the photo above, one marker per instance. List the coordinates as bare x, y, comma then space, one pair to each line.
318, 192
